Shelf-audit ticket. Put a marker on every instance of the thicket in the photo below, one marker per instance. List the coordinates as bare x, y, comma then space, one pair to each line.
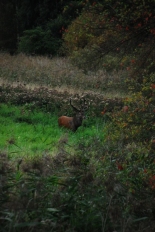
120, 35
124, 31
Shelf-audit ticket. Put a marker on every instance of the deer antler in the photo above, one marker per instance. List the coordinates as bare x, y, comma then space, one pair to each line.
76, 109
84, 105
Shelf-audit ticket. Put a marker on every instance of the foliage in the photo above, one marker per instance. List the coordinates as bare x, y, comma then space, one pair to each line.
136, 119
124, 29
8, 29
92, 188
132, 141
23, 18
38, 41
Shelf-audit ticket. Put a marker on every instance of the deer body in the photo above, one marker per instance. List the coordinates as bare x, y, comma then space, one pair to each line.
72, 123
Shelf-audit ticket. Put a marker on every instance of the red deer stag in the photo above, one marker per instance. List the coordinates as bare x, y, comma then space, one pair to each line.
73, 123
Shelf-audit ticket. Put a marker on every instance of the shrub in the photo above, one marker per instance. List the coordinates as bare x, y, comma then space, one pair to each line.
39, 41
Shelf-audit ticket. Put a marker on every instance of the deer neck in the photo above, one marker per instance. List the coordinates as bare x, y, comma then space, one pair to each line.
77, 121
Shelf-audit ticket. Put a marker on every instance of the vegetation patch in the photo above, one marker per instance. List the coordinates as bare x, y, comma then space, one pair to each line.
27, 132
100, 178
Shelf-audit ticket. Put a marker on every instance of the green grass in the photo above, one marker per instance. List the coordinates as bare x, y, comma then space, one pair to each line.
30, 133
27, 133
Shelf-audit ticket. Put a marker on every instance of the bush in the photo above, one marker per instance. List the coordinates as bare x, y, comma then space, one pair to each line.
39, 41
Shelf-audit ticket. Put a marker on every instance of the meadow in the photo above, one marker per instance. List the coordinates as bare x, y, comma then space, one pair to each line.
27, 133
60, 75
100, 178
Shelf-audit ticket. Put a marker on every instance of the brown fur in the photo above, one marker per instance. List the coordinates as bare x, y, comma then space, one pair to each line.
65, 121
71, 123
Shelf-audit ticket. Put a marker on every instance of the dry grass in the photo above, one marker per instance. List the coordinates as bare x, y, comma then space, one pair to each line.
59, 74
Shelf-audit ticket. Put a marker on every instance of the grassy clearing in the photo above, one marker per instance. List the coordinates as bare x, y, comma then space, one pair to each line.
33, 133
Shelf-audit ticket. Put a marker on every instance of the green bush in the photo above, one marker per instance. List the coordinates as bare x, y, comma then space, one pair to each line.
39, 41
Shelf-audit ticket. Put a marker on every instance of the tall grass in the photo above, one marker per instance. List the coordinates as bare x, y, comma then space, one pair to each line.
60, 74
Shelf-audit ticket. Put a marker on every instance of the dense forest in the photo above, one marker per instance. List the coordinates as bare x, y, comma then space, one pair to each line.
38, 21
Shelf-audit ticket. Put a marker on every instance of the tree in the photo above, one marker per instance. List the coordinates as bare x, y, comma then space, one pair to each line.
21, 17
125, 29
8, 25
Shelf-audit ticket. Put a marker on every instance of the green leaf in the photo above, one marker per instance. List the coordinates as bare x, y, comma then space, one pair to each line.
53, 210
140, 219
